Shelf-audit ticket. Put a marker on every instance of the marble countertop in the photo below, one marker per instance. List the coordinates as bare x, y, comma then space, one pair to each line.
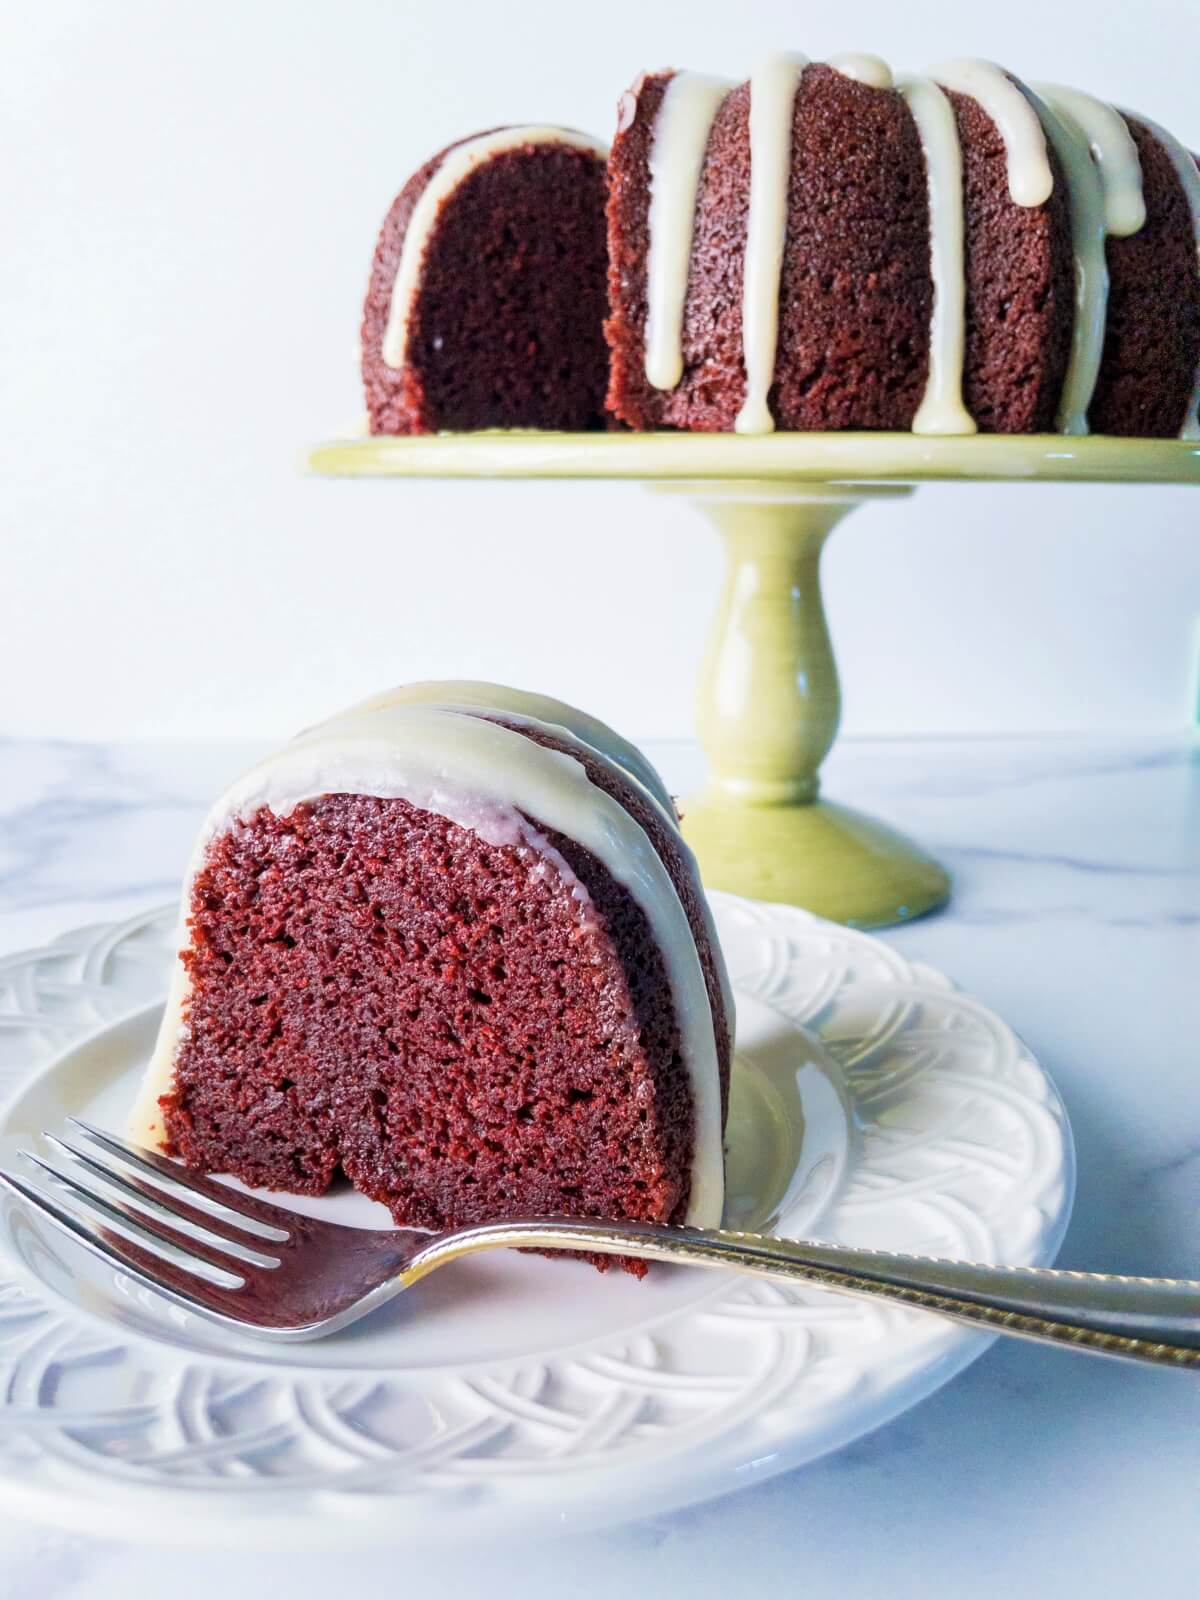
1077, 917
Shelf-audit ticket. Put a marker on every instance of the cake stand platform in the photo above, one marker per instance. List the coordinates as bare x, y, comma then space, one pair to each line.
768, 699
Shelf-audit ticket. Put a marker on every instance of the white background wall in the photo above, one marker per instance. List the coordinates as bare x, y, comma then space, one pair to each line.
189, 199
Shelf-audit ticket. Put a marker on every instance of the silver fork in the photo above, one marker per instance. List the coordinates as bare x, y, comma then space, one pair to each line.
281, 1275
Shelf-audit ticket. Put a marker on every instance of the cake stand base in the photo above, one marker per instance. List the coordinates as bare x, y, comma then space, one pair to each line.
768, 701
835, 861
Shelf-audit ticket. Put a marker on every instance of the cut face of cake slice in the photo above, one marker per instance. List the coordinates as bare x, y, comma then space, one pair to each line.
452, 945
486, 301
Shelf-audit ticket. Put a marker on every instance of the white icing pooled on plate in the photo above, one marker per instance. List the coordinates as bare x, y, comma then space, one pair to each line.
1113, 150
871, 70
773, 89
461, 162
942, 410
1189, 177
1030, 179
491, 780
681, 128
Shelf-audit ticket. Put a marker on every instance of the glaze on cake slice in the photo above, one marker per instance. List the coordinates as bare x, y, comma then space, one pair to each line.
460, 953
487, 295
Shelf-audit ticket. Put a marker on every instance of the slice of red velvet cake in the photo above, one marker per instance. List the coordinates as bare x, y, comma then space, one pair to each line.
451, 944
487, 296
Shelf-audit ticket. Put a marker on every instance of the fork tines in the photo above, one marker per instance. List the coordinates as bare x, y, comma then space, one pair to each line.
151, 1218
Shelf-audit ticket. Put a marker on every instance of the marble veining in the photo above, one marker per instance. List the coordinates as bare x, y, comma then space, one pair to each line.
1075, 864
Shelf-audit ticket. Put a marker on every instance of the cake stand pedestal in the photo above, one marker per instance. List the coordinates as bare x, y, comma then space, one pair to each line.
768, 699
767, 711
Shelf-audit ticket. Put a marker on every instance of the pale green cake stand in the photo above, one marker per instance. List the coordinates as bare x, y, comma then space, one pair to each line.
768, 702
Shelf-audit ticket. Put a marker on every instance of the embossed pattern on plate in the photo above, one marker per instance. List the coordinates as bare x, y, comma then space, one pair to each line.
962, 1148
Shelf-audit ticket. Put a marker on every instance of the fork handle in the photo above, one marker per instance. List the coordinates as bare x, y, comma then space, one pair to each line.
1142, 1319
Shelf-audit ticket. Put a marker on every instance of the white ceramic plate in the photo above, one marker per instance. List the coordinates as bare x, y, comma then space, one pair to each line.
872, 1103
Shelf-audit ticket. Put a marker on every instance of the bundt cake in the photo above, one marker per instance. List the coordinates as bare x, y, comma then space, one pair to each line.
451, 944
487, 295
821, 247
824, 248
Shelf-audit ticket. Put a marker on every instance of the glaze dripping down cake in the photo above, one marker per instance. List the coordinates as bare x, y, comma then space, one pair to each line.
823, 247
452, 945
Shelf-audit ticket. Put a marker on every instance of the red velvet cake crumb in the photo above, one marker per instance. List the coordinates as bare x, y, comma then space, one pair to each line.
376, 989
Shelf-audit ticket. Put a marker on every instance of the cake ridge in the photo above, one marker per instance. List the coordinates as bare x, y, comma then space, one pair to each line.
774, 86
1030, 128
1113, 150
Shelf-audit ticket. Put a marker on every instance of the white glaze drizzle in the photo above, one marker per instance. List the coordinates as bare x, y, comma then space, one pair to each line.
1189, 176
681, 129
871, 70
773, 88
942, 410
1113, 151
1028, 127
474, 695
579, 730
1030, 180
489, 779
461, 162
1086, 197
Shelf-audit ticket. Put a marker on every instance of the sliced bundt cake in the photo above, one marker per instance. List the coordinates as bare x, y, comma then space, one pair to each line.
453, 945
